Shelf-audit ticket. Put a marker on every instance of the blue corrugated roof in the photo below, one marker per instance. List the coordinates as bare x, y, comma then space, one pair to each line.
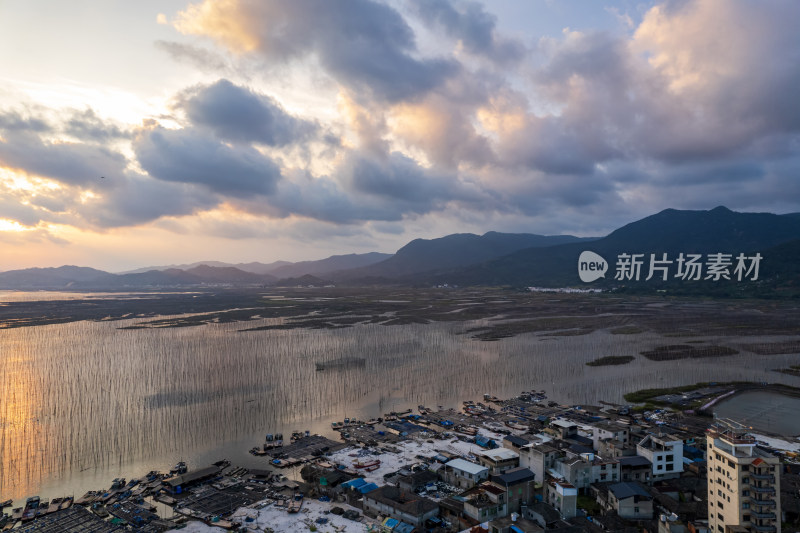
355, 483
369, 487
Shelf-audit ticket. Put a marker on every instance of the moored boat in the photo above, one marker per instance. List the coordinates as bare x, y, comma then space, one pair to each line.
42, 509
87, 498
55, 505
31, 506
368, 464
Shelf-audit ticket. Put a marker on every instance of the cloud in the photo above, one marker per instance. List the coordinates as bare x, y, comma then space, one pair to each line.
241, 115
192, 156
472, 26
139, 199
201, 58
86, 125
13, 121
365, 45
72, 163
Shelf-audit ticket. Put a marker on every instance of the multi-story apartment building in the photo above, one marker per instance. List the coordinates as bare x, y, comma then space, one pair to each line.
743, 483
665, 453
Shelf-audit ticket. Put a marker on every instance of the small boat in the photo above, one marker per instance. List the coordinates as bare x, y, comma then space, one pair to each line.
359, 464
66, 503
372, 468
7, 503
16, 513
87, 498
43, 507
177, 470
31, 505
118, 483
55, 505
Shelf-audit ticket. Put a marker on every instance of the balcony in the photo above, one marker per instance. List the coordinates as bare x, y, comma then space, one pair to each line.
762, 503
767, 529
764, 516
763, 490
764, 477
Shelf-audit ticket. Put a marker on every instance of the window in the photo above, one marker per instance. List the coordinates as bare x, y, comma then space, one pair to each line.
670, 457
719, 528
746, 518
719, 515
636, 510
745, 480
660, 467
670, 466
719, 504
745, 468
746, 505
745, 493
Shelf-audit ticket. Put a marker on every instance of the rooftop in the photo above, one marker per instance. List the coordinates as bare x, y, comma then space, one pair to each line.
402, 500
499, 454
513, 476
634, 460
626, 490
466, 466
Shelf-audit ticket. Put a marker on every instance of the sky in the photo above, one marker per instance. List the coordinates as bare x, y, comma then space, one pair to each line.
162, 132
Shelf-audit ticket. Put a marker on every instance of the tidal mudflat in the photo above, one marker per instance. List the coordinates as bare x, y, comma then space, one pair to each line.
123, 387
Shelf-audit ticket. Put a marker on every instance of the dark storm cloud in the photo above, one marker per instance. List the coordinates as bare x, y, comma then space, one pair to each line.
365, 45
469, 23
239, 114
72, 163
190, 156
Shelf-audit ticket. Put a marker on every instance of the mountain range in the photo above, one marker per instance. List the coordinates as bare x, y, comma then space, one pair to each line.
500, 259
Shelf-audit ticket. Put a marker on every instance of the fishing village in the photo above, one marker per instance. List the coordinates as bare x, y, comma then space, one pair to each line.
523, 464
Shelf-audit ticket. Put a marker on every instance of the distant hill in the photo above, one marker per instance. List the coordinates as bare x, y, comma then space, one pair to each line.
451, 251
84, 278
671, 231
253, 267
330, 264
62, 277
228, 275
517, 260
202, 275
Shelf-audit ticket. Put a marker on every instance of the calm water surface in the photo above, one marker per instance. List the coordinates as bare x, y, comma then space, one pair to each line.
763, 411
85, 402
